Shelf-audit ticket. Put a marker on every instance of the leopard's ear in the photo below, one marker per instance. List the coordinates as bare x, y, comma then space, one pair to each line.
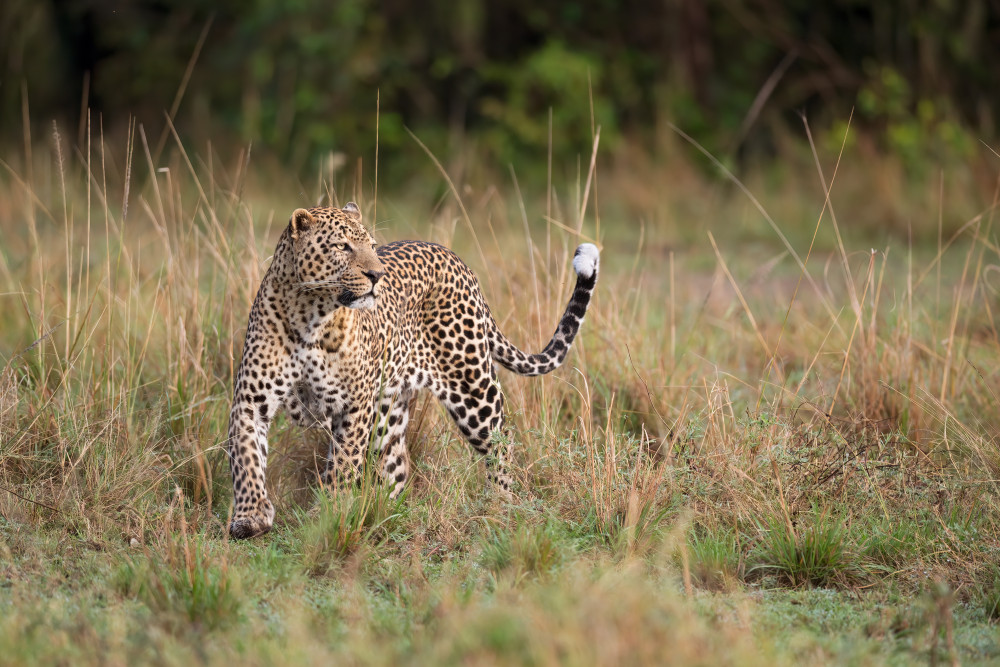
351, 209
301, 221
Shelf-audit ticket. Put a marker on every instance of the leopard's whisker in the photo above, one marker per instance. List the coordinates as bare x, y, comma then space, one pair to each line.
313, 285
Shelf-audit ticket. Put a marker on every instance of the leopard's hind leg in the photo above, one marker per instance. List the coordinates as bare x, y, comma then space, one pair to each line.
475, 403
350, 434
390, 439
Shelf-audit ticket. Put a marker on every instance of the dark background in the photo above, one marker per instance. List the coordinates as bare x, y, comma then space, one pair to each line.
300, 78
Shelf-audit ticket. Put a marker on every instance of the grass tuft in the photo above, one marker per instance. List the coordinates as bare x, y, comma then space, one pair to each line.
714, 558
185, 580
345, 522
988, 595
815, 554
524, 551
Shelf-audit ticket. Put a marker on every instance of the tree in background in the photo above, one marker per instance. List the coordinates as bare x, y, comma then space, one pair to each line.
301, 76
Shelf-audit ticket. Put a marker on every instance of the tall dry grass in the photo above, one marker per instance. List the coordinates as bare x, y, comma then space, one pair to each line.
740, 405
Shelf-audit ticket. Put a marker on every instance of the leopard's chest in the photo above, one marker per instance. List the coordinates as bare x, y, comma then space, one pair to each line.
347, 365
321, 388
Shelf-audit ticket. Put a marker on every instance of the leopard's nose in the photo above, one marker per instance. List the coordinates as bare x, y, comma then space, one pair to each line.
374, 276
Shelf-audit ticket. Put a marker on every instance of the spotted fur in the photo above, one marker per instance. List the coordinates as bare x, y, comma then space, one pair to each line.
342, 334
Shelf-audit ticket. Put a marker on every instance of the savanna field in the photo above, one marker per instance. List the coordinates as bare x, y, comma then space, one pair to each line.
775, 441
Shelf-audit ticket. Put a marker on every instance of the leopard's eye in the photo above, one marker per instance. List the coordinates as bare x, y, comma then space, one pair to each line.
343, 246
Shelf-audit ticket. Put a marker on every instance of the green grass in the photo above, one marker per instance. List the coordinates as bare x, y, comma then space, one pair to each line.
343, 522
748, 458
184, 584
814, 554
988, 595
714, 559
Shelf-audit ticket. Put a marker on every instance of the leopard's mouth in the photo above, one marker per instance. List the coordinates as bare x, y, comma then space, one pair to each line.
358, 301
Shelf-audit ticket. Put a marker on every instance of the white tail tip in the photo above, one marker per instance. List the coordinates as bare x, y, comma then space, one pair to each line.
586, 260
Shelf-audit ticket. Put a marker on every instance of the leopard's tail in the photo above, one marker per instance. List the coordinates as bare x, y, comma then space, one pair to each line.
585, 263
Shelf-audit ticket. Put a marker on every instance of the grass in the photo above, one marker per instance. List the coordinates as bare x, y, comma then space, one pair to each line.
814, 554
184, 580
760, 450
343, 522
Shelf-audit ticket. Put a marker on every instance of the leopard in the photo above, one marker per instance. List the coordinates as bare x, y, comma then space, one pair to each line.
341, 335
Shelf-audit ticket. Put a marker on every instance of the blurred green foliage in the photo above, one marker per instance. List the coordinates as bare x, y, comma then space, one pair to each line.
301, 77
914, 127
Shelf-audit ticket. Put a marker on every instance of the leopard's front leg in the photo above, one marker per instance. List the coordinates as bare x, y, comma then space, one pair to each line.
255, 403
350, 436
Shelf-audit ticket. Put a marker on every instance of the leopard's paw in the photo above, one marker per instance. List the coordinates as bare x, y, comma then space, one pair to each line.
252, 523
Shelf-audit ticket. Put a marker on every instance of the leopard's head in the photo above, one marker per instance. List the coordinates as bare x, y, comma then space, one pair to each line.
334, 253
